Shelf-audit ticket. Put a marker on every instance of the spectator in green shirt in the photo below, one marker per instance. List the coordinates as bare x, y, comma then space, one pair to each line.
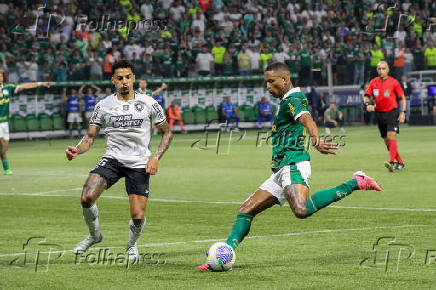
376, 56
218, 52
306, 66
333, 118
430, 55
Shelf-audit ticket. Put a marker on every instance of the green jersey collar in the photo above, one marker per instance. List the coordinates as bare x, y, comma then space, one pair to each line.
291, 91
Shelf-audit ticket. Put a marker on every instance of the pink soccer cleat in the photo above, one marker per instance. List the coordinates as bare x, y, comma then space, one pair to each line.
365, 182
203, 267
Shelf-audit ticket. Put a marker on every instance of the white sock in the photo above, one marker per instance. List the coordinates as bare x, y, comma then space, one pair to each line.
90, 215
135, 232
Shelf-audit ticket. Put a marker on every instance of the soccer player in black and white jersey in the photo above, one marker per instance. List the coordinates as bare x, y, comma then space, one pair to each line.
128, 117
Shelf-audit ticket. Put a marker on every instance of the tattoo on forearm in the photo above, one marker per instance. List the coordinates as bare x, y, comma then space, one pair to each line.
85, 144
164, 142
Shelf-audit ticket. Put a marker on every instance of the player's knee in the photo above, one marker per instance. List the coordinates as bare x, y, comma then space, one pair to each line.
300, 212
246, 210
86, 200
137, 216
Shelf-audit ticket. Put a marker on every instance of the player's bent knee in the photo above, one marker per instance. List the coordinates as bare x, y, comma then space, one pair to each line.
86, 200
137, 216
300, 212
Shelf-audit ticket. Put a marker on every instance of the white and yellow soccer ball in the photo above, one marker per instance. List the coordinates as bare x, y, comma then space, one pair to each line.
220, 257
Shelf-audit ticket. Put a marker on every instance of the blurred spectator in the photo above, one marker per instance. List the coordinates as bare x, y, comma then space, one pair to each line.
310, 33
430, 55
333, 118
359, 67
305, 74
230, 112
74, 110
175, 116
244, 61
265, 112
376, 56
204, 62
218, 52
407, 89
90, 99
314, 102
399, 54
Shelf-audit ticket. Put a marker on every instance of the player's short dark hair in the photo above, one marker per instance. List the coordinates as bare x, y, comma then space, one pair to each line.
122, 63
277, 66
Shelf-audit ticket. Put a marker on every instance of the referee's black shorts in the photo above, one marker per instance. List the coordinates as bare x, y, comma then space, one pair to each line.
137, 181
387, 121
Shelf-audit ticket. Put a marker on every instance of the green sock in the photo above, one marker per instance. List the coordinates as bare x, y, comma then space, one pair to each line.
5, 165
323, 198
240, 229
70, 132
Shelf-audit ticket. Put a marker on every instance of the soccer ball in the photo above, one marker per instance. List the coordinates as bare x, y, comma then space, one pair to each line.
220, 257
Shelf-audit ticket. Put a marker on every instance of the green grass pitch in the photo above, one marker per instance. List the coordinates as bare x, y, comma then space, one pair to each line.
193, 202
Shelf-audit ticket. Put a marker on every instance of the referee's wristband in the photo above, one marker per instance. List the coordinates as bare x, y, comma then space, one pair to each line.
403, 111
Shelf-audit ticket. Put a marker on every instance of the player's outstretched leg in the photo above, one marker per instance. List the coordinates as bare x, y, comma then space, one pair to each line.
94, 186
4, 144
138, 203
304, 206
256, 203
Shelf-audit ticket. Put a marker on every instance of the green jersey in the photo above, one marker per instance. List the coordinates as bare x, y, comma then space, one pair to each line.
147, 92
288, 135
6, 93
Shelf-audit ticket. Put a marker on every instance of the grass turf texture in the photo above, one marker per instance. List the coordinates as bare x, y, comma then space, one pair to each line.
323, 251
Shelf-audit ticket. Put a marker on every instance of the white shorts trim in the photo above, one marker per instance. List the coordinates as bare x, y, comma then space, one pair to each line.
4, 131
74, 117
277, 181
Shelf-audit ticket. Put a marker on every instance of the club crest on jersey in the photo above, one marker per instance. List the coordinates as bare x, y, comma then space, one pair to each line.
375, 91
125, 107
139, 106
386, 93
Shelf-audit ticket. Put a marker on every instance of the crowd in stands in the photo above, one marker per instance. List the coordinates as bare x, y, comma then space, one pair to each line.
79, 40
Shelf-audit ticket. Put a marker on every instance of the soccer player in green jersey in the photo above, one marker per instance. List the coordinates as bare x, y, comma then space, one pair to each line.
289, 181
143, 88
6, 92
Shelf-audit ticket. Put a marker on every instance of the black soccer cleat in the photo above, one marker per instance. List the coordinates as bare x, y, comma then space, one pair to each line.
391, 166
399, 166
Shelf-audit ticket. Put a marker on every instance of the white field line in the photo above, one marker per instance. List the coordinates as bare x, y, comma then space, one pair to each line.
249, 237
48, 193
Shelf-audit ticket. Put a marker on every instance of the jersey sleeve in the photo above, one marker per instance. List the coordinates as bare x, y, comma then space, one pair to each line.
12, 89
97, 117
298, 107
368, 91
157, 114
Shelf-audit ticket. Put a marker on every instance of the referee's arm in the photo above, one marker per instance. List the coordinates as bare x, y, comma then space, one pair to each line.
368, 100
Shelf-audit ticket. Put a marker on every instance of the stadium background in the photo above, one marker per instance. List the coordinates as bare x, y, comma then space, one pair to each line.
69, 42
195, 196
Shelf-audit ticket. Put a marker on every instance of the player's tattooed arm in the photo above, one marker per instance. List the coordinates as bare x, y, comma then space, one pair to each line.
165, 142
323, 146
84, 144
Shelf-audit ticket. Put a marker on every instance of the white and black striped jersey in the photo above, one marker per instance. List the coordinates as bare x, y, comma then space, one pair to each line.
128, 127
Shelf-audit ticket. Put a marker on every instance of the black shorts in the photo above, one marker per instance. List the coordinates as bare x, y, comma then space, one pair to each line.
387, 121
137, 181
